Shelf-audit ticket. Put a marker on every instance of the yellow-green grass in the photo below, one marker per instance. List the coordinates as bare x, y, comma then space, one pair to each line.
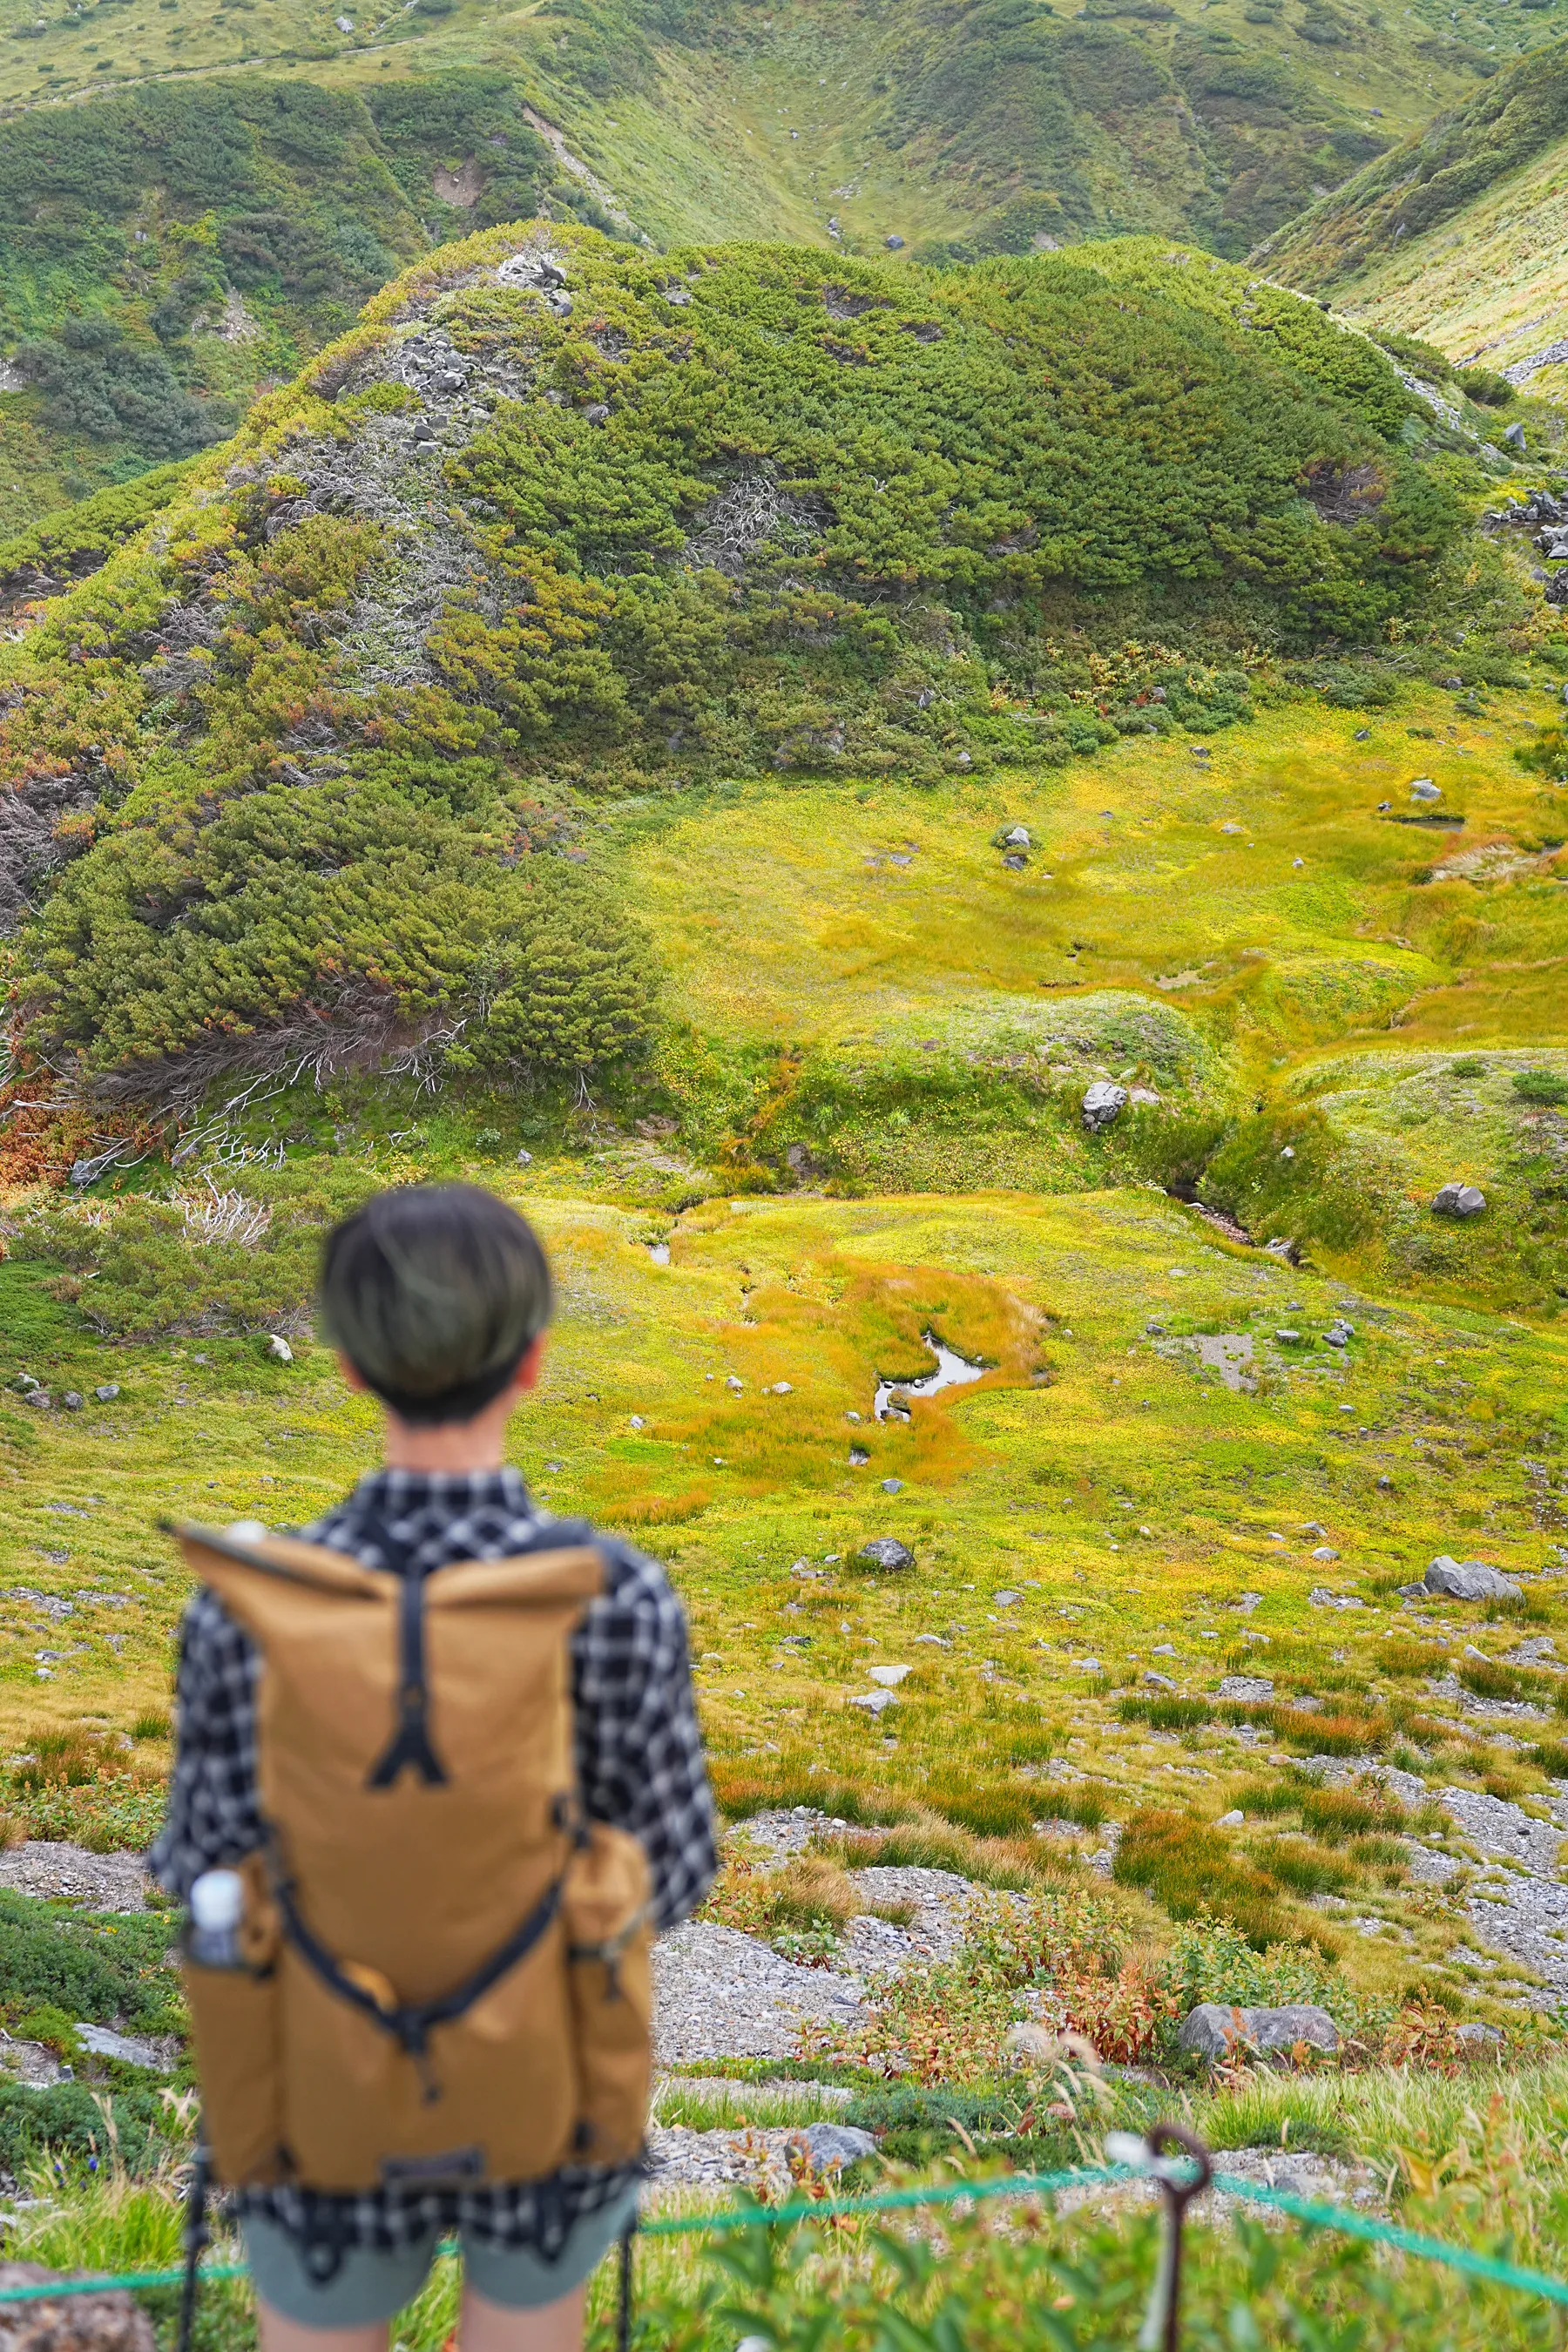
1122, 1493
804, 931
1294, 946
1489, 284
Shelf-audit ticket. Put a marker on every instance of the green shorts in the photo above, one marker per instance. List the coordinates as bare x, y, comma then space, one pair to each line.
373, 2284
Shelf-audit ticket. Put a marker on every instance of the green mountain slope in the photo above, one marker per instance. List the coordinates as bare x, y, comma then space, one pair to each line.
1460, 235
241, 180
563, 522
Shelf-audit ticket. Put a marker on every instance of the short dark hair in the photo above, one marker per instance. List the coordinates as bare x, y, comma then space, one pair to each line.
435, 1293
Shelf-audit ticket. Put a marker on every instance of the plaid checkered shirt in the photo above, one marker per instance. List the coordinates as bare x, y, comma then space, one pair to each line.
639, 1762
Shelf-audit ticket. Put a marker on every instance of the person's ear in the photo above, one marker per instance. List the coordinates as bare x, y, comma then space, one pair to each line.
527, 1373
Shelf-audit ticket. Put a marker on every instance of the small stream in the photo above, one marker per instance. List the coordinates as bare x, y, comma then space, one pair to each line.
952, 1372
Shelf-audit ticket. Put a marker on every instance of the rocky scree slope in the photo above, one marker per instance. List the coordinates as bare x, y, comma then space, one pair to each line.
284, 780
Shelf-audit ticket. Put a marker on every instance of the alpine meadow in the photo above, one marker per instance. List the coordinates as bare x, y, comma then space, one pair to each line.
902, 667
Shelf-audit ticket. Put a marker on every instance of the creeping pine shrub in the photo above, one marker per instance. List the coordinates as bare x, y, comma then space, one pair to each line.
93, 1965
1544, 1087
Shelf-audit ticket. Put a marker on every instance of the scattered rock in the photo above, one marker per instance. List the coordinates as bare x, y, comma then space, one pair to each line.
1469, 1580
72, 1401
885, 1552
1321, 1597
129, 2049
1017, 837
1476, 2035
599, 414
1424, 788
1252, 1689
39, 1397
1214, 2029
108, 1393
1231, 1820
894, 244
836, 2144
875, 1702
1103, 1102
1459, 1200
1515, 436
892, 1486
1158, 1682
75, 2322
889, 1676
525, 1159
1324, 1551
277, 1348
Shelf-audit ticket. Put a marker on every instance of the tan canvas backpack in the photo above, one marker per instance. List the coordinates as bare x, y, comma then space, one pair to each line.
445, 1975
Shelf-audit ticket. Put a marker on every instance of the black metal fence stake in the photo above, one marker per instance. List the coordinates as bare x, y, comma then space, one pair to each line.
1161, 2329
196, 2237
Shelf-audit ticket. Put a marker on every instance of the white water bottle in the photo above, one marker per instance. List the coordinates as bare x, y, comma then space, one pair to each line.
218, 1906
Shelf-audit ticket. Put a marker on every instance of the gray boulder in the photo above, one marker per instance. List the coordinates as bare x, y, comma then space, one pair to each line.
894, 244
885, 1552
1469, 1579
1214, 2026
1424, 788
1104, 1101
1459, 1200
836, 2144
1515, 436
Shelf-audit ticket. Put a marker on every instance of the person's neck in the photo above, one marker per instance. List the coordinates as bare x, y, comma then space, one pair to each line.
449, 1446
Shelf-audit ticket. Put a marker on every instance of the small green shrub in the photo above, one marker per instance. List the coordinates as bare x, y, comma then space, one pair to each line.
1189, 1867
994, 1811
1544, 1087
93, 1965
1165, 1713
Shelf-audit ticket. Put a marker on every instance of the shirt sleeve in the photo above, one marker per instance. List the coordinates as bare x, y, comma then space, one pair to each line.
640, 1750
212, 1815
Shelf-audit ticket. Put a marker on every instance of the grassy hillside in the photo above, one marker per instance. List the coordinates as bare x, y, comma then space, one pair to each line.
1455, 237
561, 520
243, 178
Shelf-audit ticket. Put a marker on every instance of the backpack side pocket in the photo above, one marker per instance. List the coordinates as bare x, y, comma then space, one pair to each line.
234, 2027
609, 1937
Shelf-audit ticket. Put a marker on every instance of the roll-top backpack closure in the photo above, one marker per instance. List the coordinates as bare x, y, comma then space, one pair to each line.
426, 1857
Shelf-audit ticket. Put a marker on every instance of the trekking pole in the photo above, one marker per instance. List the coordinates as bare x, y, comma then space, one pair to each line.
195, 2238
1178, 2185
624, 2316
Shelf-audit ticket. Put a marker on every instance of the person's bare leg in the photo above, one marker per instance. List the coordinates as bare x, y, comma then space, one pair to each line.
485, 2326
280, 2335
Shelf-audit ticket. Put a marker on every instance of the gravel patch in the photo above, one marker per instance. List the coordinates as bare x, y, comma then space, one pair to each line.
765, 2159
720, 1994
1327, 2179
782, 1833
100, 1881
1522, 1909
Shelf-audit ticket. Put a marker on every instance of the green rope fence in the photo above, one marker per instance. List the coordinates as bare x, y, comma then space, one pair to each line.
1350, 2224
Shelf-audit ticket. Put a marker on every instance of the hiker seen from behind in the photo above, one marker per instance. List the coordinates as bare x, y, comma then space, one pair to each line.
437, 1782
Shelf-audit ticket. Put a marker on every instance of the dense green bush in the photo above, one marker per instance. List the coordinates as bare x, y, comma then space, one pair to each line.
76, 540
95, 379
94, 1965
